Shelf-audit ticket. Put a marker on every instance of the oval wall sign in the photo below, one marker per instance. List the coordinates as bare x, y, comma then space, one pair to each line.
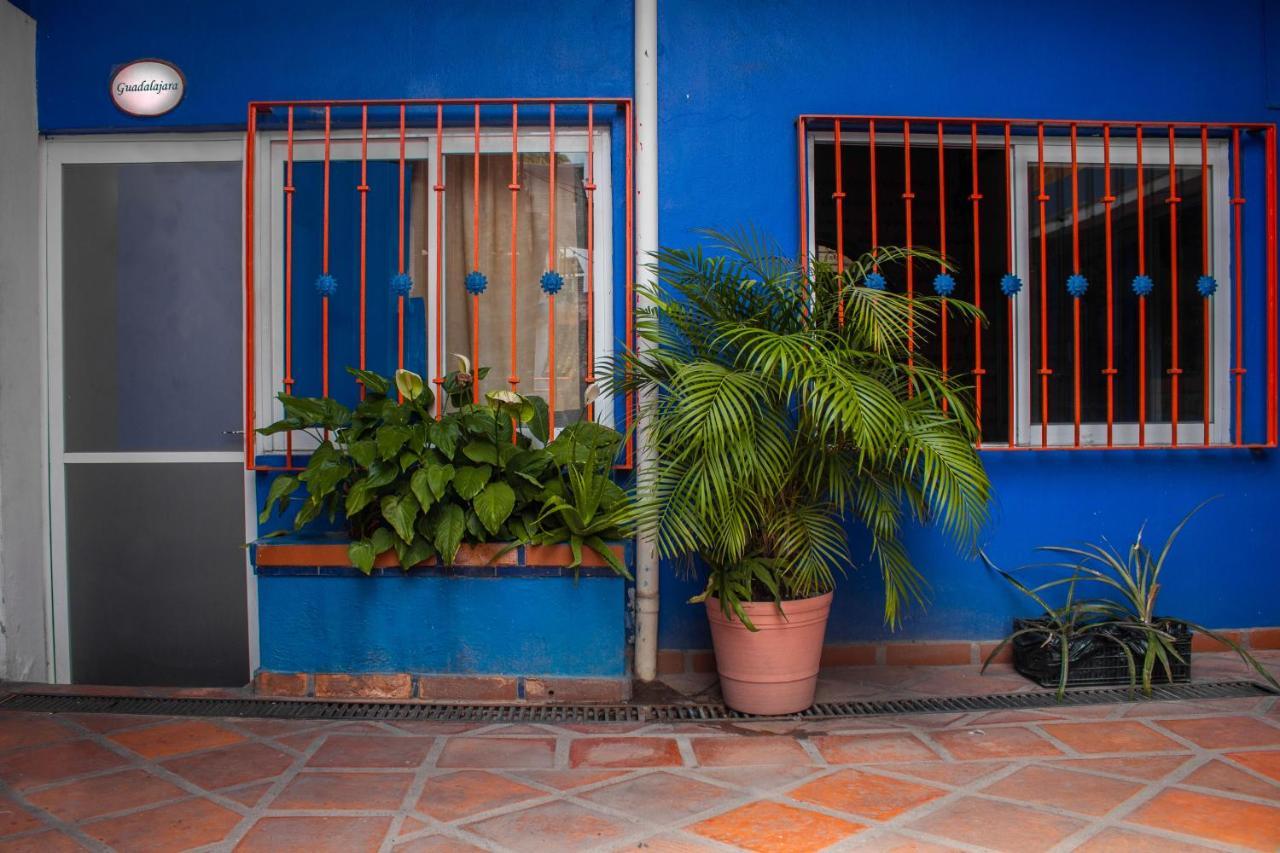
148, 87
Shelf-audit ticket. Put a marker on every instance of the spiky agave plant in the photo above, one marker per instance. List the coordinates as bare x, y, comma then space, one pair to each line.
787, 403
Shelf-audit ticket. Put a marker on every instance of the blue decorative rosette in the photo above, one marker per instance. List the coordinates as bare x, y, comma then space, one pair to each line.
875, 281
1077, 285
1207, 285
401, 284
1010, 284
476, 282
943, 284
1142, 285
551, 282
326, 285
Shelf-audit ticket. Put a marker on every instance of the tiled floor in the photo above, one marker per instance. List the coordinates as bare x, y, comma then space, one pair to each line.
1160, 776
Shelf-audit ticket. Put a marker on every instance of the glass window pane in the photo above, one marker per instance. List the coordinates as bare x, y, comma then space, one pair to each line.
891, 230
157, 603
1125, 308
533, 308
151, 306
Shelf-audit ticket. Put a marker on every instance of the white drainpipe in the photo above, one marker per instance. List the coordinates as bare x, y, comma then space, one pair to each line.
646, 224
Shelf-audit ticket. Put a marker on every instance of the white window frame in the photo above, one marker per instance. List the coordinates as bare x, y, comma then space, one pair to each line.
384, 145
1089, 151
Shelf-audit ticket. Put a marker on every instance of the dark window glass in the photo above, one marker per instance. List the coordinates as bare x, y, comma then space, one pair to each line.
891, 222
1125, 309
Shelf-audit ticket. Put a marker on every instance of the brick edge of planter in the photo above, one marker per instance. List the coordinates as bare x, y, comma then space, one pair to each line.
440, 688
942, 653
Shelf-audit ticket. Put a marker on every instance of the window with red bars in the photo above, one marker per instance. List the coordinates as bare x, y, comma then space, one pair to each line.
1127, 271
411, 234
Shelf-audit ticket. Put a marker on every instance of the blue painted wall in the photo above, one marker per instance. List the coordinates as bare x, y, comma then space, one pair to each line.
733, 76
425, 623
235, 51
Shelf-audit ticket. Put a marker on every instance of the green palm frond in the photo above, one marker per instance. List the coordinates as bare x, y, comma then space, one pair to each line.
777, 421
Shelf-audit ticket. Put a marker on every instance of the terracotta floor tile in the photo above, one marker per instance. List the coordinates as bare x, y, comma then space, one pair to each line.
234, 765
865, 794
1128, 841
776, 828
949, 772
760, 778
1224, 732
602, 728
99, 795
735, 751
315, 834
552, 826
111, 722
42, 842
14, 817
1266, 761
436, 844
275, 728
459, 795
672, 843
1242, 705
507, 753
350, 791
42, 765
514, 730
624, 752
180, 826
1065, 789
1111, 736
1223, 777
895, 843
873, 749
1005, 742
32, 730
1148, 768
175, 738
1215, 818
567, 780
390, 751
998, 826
992, 718
410, 825
660, 797
250, 795
433, 728
301, 742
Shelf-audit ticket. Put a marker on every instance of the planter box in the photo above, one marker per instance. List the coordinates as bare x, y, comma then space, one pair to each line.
488, 628
1094, 662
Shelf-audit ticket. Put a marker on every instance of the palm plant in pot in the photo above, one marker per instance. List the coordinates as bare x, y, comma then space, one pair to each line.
788, 404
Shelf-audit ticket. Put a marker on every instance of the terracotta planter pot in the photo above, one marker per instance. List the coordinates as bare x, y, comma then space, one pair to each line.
773, 670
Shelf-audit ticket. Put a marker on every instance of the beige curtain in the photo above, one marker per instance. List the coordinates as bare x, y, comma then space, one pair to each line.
532, 338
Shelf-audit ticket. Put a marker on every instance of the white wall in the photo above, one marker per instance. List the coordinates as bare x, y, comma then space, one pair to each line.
23, 629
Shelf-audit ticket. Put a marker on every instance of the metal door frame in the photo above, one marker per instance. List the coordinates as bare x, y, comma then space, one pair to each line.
114, 148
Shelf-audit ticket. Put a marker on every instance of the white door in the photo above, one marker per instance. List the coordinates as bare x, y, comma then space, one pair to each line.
147, 489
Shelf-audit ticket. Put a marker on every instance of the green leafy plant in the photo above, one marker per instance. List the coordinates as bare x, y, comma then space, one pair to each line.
1126, 614
1069, 631
584, 506
420, 486
787, 403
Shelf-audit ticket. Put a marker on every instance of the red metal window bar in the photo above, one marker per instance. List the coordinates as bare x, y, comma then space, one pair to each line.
1059, 177
412, 120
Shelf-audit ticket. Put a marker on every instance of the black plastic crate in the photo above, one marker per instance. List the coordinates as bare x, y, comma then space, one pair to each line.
1095, 661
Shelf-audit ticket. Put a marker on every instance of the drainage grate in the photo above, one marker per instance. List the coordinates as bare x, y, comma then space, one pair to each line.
301, 709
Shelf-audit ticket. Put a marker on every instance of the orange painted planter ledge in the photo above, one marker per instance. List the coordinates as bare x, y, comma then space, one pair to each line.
335, 554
